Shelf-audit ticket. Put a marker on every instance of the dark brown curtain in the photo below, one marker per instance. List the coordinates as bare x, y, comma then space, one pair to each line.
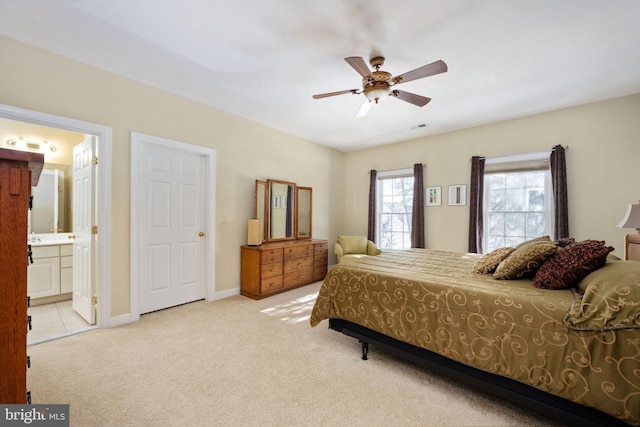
476, 193
371, 229
559, 181
417, 215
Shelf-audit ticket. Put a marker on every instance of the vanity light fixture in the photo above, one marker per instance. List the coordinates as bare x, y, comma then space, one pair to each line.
24, 145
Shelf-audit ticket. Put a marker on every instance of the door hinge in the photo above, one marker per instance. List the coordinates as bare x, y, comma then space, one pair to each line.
94, 300
94, 229
94, 160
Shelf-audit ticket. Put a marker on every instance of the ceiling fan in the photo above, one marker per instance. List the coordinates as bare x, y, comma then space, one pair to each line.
378, 84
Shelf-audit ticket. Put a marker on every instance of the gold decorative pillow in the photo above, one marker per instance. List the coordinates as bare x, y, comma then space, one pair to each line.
489, 262
537, 239
525, 261
609, 298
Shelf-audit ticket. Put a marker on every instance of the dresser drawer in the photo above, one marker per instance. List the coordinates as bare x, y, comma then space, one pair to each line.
319, 271
320, 248
270, 284
297, 264
270, 270
270, 256
298, 251
299, 277
322, 258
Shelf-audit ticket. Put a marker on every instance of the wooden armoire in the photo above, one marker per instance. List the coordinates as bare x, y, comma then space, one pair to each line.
18, 172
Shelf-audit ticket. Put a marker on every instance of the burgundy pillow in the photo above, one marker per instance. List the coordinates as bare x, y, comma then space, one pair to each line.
565, 241
571, 264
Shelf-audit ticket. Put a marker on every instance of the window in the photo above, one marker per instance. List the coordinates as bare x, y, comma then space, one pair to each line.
395, 204
517, 207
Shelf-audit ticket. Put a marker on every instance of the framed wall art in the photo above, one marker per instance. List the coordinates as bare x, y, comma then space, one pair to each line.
433, 196
457, 195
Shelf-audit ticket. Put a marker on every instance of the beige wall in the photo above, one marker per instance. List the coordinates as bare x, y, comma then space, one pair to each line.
602, 162
602, 158
45, 82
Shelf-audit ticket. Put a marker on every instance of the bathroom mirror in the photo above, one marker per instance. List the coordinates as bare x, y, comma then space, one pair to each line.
50, 204
303, 204
279, 213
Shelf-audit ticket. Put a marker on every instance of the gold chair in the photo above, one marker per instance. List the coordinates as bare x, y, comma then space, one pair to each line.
349, 248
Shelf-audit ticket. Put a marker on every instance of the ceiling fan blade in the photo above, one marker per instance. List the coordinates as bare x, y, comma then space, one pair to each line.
364, 108
424, 71
359, 65
342, 92
411, 98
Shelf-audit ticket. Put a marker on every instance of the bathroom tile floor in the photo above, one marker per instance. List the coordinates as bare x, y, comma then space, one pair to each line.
53, 321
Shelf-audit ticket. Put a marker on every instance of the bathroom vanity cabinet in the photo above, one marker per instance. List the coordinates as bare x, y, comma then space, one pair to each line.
51, 274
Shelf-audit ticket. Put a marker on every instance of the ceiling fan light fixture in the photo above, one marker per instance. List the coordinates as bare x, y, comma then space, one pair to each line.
376, 91
377, 84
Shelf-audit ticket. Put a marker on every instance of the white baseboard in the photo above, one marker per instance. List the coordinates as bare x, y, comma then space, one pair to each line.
123, 319
228, 293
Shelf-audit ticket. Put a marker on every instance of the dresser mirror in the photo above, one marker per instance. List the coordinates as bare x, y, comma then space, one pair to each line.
303, 221
280, 210
284, 208
258, 204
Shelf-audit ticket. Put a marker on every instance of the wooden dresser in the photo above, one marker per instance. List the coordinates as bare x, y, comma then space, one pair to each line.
276, 267
18, 172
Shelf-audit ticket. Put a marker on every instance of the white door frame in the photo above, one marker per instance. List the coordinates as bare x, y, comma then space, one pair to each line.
137, 140
104, 134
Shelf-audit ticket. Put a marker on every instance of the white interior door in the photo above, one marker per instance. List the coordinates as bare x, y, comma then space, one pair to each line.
84, 285
171, 212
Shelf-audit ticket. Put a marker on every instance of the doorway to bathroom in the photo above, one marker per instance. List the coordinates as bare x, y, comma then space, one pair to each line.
53, 315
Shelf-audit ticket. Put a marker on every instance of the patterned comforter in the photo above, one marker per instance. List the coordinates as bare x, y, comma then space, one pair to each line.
431, 299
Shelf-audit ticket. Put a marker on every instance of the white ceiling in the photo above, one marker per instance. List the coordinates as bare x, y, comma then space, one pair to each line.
263, 60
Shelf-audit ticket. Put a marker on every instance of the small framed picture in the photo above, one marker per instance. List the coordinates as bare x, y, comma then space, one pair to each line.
433, 196
457, 195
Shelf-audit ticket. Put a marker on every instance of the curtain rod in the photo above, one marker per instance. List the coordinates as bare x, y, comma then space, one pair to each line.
393, 170
566, 147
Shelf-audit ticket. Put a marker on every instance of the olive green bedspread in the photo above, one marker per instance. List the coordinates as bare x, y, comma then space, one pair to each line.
431, 299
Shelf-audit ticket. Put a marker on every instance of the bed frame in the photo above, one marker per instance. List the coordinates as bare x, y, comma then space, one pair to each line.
556, 407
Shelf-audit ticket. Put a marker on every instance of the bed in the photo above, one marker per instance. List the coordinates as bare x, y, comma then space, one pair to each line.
571, 353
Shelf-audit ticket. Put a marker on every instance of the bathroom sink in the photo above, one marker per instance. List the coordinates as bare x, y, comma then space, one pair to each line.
50, 239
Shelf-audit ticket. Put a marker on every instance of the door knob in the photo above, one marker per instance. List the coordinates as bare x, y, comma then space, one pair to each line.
201, 234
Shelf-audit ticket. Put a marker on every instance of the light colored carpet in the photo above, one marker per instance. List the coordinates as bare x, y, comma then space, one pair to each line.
240, 362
